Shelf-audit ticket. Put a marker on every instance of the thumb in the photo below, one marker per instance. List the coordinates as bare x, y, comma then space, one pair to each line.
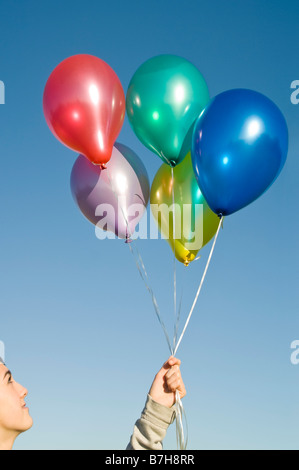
171, 361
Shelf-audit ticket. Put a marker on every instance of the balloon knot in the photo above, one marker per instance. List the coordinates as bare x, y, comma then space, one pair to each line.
102, 166
128, 240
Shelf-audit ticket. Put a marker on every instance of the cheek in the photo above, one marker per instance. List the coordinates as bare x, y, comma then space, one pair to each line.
6, 410
10, 415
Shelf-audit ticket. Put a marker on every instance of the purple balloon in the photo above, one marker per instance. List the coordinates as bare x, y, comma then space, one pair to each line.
113, 199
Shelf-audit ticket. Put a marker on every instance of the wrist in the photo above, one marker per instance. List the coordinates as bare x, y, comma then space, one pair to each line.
159, 411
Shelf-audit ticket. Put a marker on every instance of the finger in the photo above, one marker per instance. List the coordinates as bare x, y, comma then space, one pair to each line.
174, 380
177, 385
172, 361
182, 391
174, 371
169, 367
174, 386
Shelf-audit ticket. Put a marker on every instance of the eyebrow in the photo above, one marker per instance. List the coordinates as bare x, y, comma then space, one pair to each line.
7, 373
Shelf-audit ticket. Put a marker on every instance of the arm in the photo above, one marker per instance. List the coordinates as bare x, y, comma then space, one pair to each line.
158, 413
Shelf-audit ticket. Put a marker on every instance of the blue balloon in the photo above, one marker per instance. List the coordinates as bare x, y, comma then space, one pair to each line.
239, 147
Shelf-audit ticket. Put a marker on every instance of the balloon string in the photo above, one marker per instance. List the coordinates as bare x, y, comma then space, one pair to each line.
200, 285
154, 300
179, 313
174, 261
180, 413
179, 409
142, 271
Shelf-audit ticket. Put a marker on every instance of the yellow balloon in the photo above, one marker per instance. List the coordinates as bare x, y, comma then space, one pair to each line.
192, 224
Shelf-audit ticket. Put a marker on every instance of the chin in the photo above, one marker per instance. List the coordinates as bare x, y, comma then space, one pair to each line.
30, 423
27, 424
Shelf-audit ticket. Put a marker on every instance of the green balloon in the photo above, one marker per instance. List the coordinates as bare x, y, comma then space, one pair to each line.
165, 97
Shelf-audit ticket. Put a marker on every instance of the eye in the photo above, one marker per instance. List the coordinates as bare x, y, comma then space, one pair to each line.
10, 380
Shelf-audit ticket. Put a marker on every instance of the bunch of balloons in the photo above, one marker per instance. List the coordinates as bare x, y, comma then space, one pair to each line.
221, 153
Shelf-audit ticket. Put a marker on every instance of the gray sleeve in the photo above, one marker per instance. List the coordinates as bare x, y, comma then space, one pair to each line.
150, 429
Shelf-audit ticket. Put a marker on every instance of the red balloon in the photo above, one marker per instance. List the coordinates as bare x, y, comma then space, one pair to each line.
84, 106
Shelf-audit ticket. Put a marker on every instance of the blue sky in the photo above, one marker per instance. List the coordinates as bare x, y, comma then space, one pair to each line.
78, 325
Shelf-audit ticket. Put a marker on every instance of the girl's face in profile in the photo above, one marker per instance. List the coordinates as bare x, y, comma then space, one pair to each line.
14, 414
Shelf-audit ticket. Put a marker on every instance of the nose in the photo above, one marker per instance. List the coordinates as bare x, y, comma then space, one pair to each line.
22, 391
